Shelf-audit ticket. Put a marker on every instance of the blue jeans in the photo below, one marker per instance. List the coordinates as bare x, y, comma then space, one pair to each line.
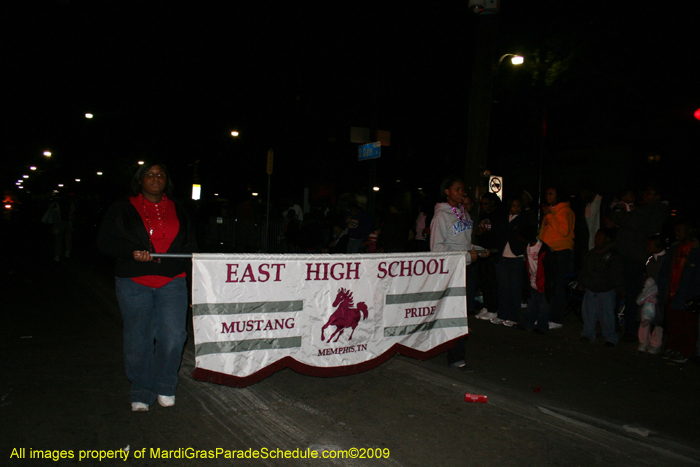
510, 287
154, 336
537, 310
599, 306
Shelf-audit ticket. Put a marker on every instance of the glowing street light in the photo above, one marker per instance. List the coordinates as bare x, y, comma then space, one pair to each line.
25, 176
89, 115
141, 162
514, 59
60, 185
235, 134
375, 188
47, 153
32, 168
99, 173
77, 179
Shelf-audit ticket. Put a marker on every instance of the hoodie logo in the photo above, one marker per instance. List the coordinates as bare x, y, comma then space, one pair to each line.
461, 226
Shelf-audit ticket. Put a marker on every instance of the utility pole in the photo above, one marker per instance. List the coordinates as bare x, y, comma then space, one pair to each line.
480, 98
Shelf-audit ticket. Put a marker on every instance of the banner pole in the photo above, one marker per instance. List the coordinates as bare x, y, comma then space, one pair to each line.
171, 255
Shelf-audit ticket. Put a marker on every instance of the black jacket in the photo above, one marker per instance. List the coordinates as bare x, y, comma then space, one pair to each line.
513, 235
122, 232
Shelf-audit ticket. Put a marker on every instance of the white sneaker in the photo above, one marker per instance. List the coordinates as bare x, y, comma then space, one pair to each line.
653, 350
139, 407
482, 313
555, 325
497, 320
166, 401
488, 316
642, 347
509, 323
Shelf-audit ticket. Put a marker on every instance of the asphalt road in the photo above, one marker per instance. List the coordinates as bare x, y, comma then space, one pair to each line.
551, 399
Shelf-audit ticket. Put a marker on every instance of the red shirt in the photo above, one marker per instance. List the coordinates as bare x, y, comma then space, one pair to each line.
162, 225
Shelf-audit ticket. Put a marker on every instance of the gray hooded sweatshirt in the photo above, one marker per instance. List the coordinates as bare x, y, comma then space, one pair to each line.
450, 233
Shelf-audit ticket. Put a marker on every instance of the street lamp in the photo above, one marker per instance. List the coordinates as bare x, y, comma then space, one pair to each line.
515, 59
47, 153
484, 74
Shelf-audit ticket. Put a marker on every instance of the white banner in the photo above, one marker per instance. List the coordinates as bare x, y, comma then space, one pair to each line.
321, 314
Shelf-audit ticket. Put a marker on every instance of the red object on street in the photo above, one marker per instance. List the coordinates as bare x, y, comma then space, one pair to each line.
697, 114
475, 398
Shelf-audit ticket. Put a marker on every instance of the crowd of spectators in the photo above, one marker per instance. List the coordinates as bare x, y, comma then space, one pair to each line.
589, 254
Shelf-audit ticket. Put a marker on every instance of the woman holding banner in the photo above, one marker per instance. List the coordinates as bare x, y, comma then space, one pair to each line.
451, 230
152, 293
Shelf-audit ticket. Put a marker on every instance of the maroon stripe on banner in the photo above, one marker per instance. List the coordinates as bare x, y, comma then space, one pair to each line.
215, 377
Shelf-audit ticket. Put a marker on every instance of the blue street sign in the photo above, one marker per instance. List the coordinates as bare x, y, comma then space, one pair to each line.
369, 151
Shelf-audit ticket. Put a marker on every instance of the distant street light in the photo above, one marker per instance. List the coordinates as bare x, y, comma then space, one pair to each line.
99, 173
88, 115
32, 168
141, 162
25, 176
375, 188
77, 179
47, 153
235, 134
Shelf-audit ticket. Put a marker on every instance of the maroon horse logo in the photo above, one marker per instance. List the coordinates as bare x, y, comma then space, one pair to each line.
345, 316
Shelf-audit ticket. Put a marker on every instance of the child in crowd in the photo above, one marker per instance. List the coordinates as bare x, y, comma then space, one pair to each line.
651, 332
541, 266
602, 278
679, 281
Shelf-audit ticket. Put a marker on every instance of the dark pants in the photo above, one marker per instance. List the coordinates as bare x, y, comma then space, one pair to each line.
565, 266
488, 281
634, 272
456, 353
682, 328
471, 290
510, 280
538, 310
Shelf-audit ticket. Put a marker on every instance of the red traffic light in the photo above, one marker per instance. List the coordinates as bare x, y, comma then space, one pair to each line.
697, 114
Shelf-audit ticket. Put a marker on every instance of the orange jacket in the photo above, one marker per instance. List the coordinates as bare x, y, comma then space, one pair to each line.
557, 229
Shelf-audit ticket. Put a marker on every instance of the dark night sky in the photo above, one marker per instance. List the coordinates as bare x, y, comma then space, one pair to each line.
170, 81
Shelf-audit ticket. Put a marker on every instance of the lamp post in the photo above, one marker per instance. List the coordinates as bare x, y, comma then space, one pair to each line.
480, 101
